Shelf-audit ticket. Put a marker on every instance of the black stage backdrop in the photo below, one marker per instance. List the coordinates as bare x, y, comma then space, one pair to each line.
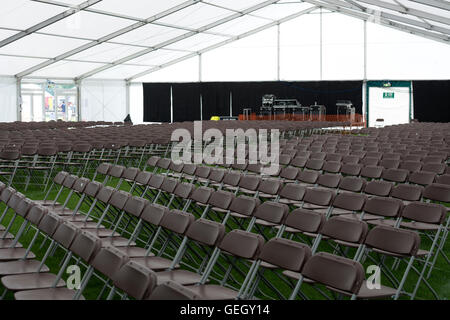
216, 97
432, 100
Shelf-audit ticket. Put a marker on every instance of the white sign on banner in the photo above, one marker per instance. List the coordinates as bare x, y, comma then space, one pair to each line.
391, 104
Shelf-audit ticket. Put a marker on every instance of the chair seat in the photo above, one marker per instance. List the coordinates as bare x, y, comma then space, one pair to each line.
238, 215
77, 217
5, 235
311, 206
21, 267
8, 254
6, 243
382, 222
265, 223
31, 281
183, 277
116, 242
419, 225
336, 211
289, 201
213, 292
47, 203
134, 252
87, 225
103, 232
47, 294
154, 263
357, 216
266, 195
383, 292
61, 211
217, 209
296, 275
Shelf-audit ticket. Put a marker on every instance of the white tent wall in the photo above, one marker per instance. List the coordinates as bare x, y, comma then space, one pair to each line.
8, 99
103, 100
137, 103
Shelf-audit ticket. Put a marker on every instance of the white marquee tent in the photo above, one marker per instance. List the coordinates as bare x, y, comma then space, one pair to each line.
96, 53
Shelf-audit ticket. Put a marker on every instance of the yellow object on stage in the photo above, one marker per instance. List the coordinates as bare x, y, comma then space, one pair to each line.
215, 118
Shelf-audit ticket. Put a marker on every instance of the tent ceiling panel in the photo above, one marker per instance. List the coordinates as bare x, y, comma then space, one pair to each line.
158, 57
87, 25
240, 25
22, 14
39, 45
119, 72
149, 35
66, 69
280, 10
238, 5
196, 16
6, 34
136, 8
72, 2
197, 42
13, 65
106, 52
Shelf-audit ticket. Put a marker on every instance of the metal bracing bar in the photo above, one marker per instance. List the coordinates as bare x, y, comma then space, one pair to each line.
400, 18
434, 3
414, 12
107, 37
382, 21
48, 22
220, 44
178, 38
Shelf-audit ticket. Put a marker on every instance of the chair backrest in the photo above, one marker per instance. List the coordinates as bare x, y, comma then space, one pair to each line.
437, 192
308, 176
350, 201
36, 214
156, 181
183, 190
116, 171
344, 229
395, 175
152, 161
305, 220
104, 194
217, 175
206, 232
85, 245
109, 260
270, 186
143, 177
80, 184
232, 179
371, 171
378, 188
92, 188
332, 166
104, 168
202, 194
393, 240
351, 169
424, 212
177, 221
299, 162
336, 272
272, 212
135, 205
59, 177
135, 280
221, 199
293, 191
407, 192
65, 234
119, 199
318, 196
49, 223
329, 180
286, 254
130, 173
244, 205
385, 207
314, 164
250, 182
437, 168
351, 183
242, 244
169, 185
23, 207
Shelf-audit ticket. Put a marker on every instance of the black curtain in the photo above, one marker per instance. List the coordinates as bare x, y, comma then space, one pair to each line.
432, 100
216, 97
156, 102
186, 101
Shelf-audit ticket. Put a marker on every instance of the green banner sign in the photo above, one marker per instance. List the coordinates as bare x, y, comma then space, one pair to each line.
388, 95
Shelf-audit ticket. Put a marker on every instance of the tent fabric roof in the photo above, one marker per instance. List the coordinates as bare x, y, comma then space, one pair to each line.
101, 39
